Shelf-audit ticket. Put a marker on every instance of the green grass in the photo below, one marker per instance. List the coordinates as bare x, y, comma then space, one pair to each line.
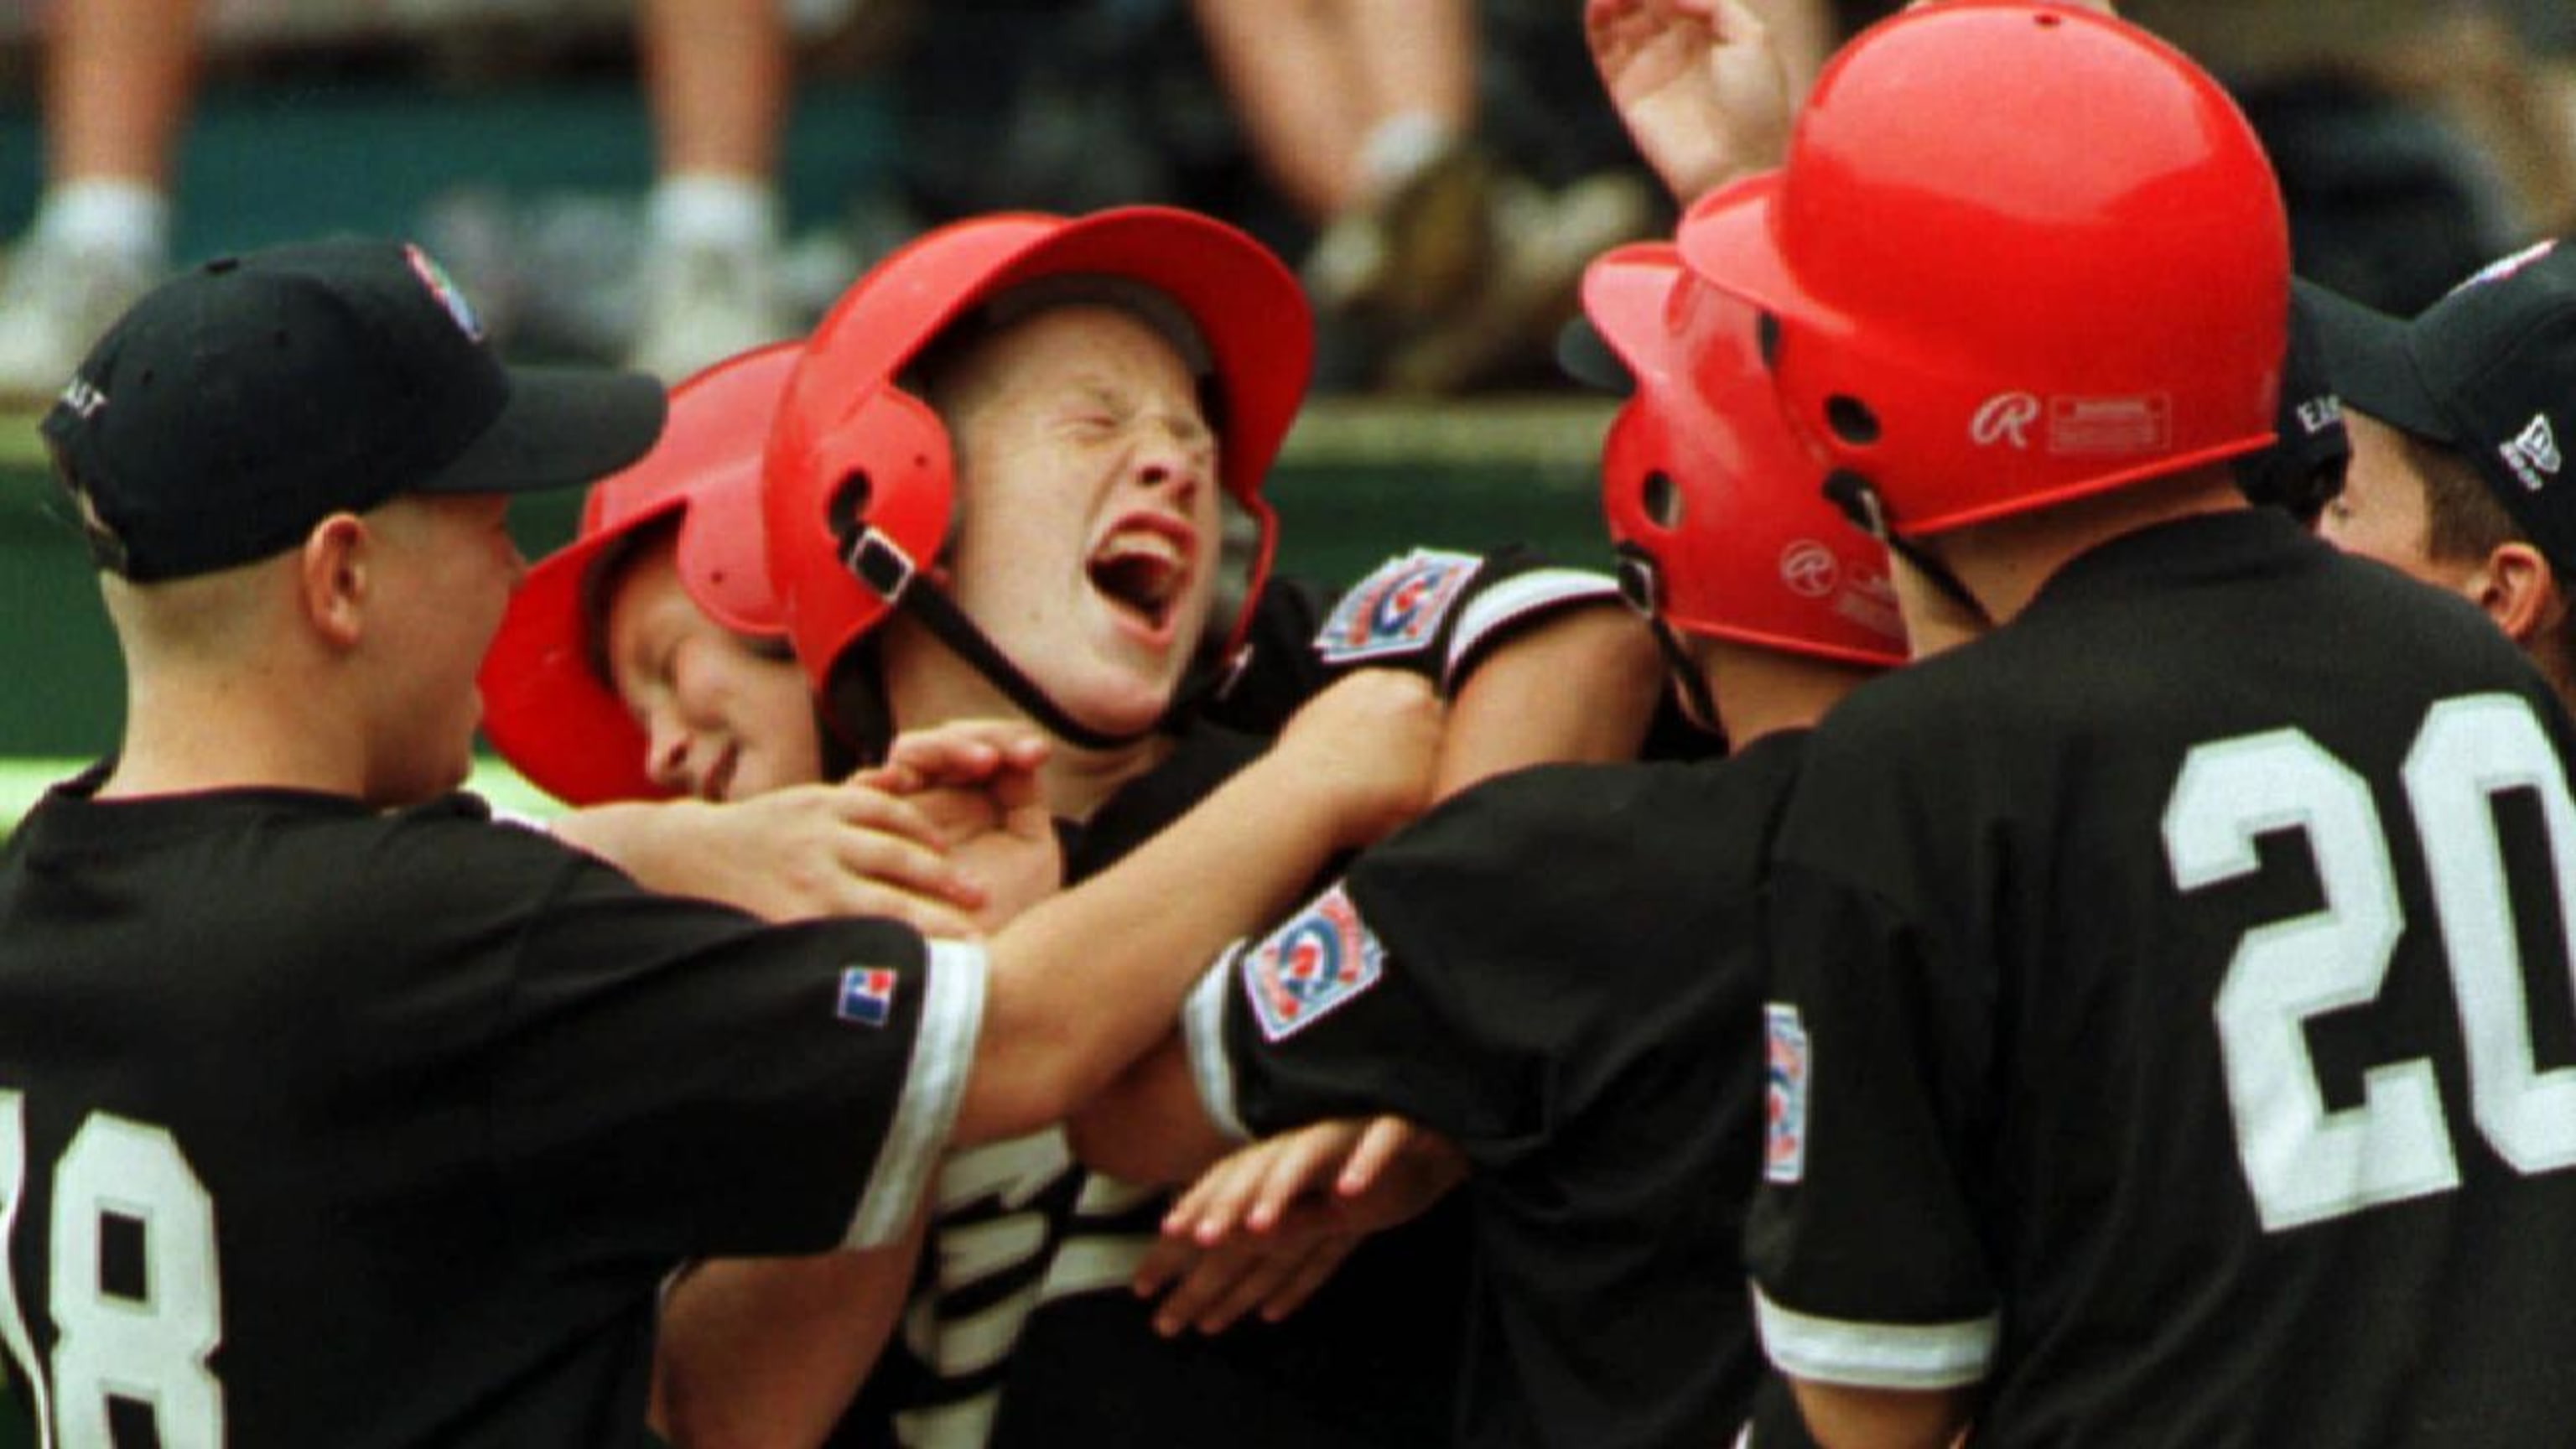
22, 780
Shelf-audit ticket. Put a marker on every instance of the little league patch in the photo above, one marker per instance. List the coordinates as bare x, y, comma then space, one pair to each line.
1320, 960
1396, 609
1784, 1157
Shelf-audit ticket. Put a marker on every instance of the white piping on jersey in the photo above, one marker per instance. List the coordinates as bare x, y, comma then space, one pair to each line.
943, 1050
1875, 1355
1501, 605
1203, 1032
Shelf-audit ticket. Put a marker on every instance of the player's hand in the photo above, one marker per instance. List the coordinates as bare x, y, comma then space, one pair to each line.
976, 783
1369, 745
1699, 85
1271, 1273
804, 852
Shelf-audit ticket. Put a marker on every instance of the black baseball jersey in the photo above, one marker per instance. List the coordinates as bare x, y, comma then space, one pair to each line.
385, 1128
1559, 970
1022, 1329
2171, 1024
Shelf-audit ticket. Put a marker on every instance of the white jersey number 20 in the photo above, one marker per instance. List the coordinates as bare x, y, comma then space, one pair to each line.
2303, 1162
148, 1346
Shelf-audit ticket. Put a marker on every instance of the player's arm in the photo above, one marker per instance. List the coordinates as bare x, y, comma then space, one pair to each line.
1083, 983
1841, 1417
795, 854
1700, 84
1579, 686
770, 1351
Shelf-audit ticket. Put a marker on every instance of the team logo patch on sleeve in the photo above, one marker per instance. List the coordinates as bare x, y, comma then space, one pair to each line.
1319, 961
867, 995
1784, 1157
1398, 608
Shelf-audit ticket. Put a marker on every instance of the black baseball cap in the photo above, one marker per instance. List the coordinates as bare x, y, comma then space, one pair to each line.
242, 402
2489, 371
2304, 468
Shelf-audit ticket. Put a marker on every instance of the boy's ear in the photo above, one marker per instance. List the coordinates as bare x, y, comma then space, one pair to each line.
333, 578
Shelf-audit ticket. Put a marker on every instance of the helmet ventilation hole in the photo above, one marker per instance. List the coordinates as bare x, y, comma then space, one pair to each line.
1766, 339
1851, 420
1662, 500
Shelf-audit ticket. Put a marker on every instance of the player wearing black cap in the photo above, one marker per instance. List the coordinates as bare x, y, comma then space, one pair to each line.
2163, 1050
2456, 479
328, 1108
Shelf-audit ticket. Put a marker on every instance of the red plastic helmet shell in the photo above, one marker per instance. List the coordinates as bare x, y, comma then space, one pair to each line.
545, 708
1702, 475
2018, 254
848, 421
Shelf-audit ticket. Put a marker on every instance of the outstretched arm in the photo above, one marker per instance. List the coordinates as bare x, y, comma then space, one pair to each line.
1084, 982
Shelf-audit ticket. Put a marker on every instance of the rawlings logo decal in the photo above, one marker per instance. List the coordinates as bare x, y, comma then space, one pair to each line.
2004, 418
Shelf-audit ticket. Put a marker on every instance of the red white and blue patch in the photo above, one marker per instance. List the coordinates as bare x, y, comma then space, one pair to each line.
867, 995
1397, 609
1320, 961
444, 288
1784, 1157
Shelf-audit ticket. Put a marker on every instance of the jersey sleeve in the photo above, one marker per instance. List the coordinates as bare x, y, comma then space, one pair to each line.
1431, 981
733, 1087
1868, 1266
1438, 613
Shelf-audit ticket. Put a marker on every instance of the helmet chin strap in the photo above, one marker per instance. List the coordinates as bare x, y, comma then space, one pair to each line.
1859, 501
882, 567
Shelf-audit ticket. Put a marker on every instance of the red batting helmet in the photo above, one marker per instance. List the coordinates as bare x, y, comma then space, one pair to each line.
545, 707
2019, 254
1705, 485
860, 480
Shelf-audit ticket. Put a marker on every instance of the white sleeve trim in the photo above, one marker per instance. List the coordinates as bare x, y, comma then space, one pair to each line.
1875, 1355
1515, 599
943, 1053
1203, 1032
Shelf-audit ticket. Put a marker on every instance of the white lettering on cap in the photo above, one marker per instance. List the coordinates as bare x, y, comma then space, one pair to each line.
2533, 453
83, 398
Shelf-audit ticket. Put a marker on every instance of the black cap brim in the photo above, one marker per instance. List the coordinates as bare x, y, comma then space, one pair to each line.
561, 428
2372, 365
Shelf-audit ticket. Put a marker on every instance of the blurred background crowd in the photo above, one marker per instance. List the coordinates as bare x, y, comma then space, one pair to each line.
670, 181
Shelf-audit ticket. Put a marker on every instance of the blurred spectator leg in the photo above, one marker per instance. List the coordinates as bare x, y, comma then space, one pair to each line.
718, 75
118, 81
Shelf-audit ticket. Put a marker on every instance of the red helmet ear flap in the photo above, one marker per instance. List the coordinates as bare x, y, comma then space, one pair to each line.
853, 513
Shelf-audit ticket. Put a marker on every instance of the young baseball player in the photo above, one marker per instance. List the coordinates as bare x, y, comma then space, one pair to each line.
1069, 358
2156, 1058
2456, 416
326, 1102
1590, 1046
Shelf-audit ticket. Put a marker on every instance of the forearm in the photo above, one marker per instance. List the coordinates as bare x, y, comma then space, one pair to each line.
1149, 1125
770, 1351
1581, 687
1084, 982
1844, 1417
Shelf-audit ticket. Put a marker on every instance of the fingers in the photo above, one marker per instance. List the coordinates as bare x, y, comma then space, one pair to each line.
1298, 1163
1213, 1288
1312, 1272
1213, 1206
966, 752
1380, 1141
